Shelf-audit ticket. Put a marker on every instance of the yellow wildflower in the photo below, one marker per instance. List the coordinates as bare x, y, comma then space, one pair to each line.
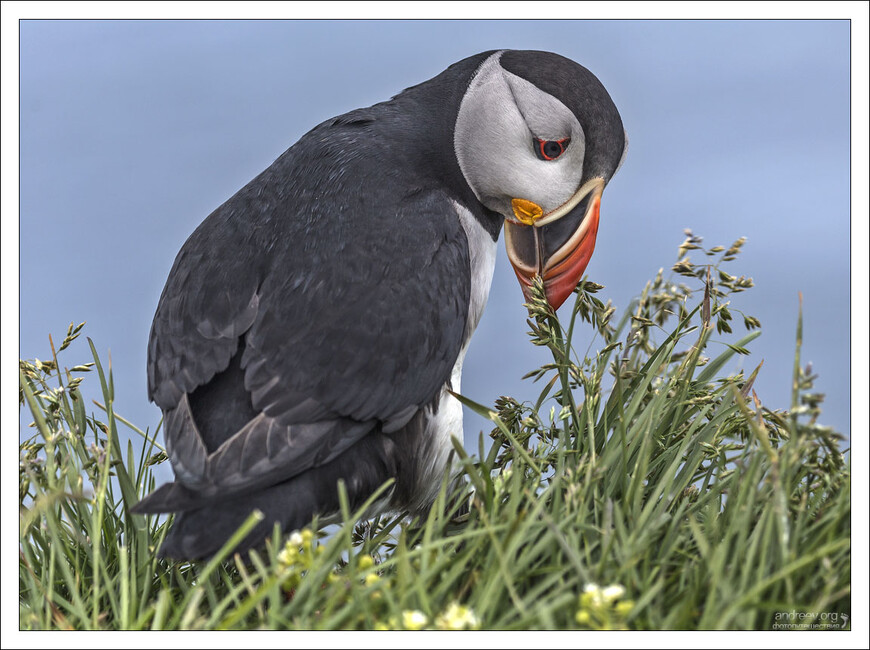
603, 608
457, 617
289, 555
414, 619
371, 579
624, 607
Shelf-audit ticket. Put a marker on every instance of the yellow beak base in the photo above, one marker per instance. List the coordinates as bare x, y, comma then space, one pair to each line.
527, 212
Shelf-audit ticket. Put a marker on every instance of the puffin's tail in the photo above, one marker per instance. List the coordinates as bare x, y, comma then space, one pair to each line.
203, 526
171, 497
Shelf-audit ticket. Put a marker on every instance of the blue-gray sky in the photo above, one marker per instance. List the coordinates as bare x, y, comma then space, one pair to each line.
132, 132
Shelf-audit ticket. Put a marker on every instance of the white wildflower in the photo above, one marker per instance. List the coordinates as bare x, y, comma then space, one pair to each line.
414, 619
457, 617
612, 592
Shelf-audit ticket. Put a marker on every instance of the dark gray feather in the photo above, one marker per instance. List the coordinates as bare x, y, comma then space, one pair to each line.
325, 297
203, 526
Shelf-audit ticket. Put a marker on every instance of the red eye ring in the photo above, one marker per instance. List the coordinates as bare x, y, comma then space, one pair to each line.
550, 149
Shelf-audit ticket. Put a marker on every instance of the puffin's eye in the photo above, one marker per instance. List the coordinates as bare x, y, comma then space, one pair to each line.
550, 149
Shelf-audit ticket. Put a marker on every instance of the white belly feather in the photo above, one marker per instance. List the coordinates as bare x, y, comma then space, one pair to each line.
446, 421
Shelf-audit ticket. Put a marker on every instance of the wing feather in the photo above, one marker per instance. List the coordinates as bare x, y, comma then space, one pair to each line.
350, 303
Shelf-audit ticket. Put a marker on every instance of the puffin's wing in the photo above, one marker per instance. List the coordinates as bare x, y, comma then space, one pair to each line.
351, 313
374, 327
208, 303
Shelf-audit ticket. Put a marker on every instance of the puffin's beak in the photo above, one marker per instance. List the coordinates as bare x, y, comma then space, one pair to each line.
557, 245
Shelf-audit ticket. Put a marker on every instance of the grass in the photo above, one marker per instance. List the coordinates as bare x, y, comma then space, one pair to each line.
645, 489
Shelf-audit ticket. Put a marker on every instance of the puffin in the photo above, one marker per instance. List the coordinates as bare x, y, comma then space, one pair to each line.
313, 327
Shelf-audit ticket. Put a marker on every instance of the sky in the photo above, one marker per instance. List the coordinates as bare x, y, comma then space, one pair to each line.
132, 132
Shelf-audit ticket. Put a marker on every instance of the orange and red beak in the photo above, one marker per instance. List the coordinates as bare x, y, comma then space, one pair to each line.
557, 245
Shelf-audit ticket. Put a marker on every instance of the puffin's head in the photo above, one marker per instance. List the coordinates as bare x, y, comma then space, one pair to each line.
537, 138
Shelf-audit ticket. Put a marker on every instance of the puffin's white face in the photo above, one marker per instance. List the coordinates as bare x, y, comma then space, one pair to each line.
514, 141
522, 152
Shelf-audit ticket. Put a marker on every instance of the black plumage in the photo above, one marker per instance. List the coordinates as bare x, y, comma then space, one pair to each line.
309, 325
